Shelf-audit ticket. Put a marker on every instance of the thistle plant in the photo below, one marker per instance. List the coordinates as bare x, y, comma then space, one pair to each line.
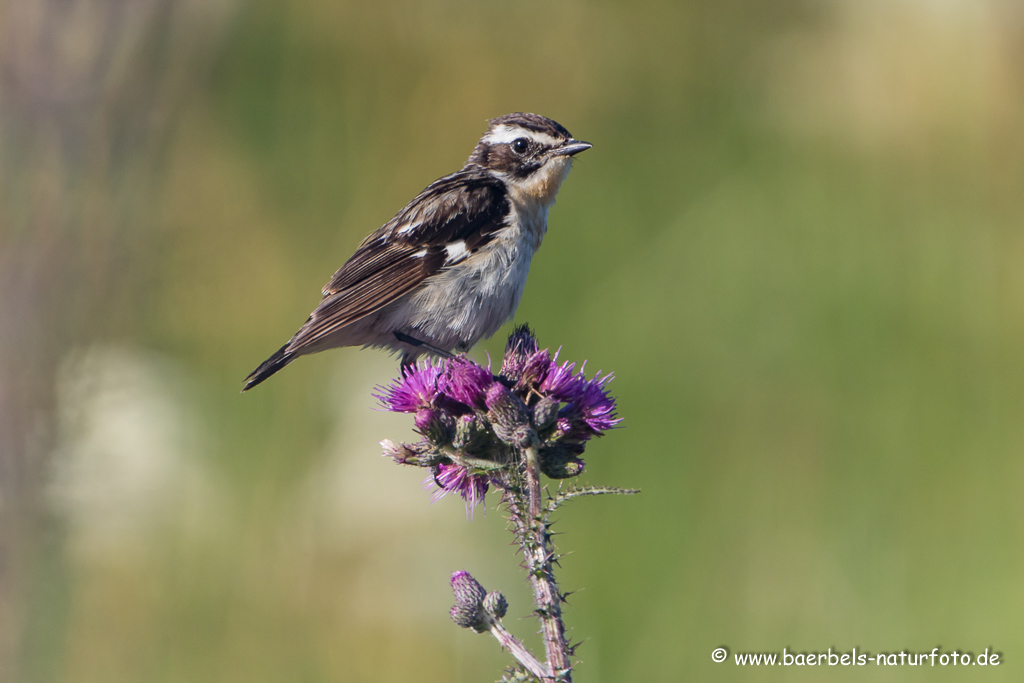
481, 431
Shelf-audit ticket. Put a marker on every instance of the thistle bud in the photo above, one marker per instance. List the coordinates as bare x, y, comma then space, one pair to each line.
469, 596
469, 433
434, 424
521, 345
562, 428
495, 604
468, 617
420, 455
545, 412
560, 462
509, 416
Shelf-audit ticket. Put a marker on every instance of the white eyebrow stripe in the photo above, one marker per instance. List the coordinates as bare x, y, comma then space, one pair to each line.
507, 133
456, 251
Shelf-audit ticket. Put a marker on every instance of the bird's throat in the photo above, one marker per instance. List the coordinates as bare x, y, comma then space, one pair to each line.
542, 185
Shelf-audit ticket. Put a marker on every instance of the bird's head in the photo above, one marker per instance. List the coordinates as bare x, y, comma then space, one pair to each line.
531, 153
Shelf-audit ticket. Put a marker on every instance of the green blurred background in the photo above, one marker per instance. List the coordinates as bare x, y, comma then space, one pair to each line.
798, 241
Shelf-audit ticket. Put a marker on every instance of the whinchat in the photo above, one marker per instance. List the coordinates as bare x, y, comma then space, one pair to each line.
448, 269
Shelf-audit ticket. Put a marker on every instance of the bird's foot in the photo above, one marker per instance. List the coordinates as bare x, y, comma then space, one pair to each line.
420, 344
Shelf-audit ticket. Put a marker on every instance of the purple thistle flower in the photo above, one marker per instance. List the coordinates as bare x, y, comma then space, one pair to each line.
535, 369
596, 406
454, 478
561, 383
467, 382
459, 404
417, 388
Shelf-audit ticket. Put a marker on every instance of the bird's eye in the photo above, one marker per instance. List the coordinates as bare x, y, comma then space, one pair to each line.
520, 145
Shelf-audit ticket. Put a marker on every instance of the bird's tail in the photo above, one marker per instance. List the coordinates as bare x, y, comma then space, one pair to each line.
268, 367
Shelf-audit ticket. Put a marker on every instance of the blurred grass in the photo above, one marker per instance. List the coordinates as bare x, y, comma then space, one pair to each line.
796, 242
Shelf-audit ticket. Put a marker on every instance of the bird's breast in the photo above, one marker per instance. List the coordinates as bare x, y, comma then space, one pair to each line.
470, 300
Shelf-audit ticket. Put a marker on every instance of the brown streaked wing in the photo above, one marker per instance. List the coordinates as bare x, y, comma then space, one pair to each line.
396, 271
470, 205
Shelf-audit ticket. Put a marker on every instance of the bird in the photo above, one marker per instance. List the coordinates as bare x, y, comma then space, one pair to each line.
450, 268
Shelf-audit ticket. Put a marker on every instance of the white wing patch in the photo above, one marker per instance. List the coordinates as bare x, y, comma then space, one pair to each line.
408, 227
456, 252
420, 254
508, 133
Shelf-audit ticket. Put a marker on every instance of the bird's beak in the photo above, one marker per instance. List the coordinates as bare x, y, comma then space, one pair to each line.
571, 147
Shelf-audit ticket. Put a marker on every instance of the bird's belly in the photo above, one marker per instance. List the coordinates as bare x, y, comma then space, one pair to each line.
472, 299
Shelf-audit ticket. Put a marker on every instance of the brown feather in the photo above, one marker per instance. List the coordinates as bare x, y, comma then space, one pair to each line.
469, 206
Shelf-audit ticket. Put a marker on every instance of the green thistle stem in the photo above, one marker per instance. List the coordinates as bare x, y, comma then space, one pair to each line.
534, 541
